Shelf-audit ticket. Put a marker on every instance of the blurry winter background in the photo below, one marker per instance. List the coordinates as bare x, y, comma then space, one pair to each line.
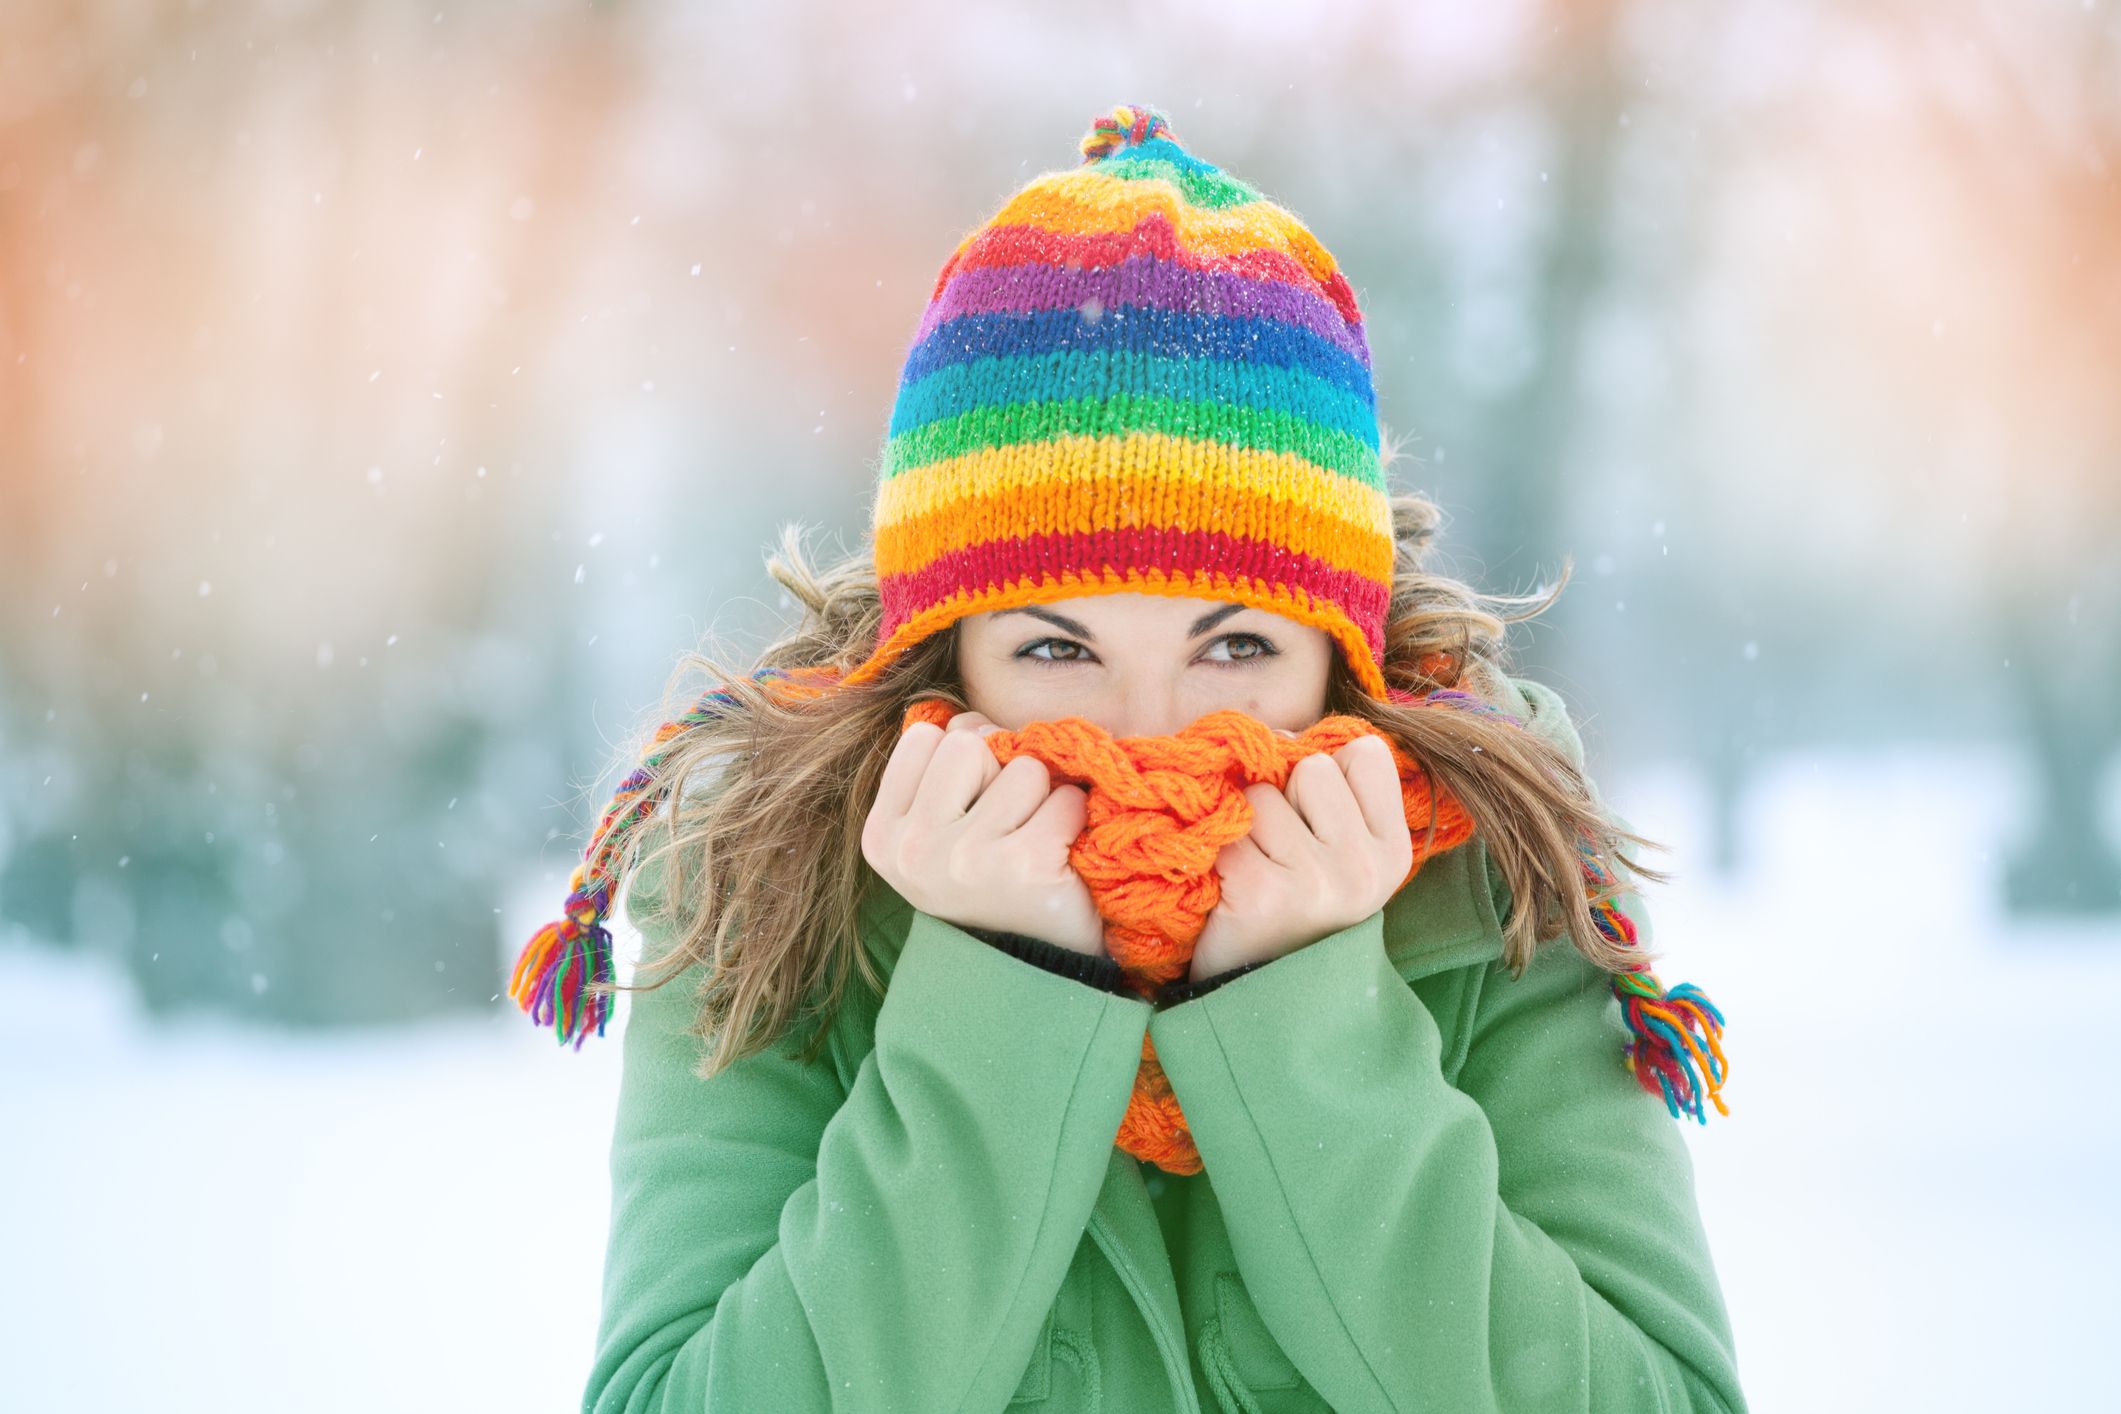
388, 395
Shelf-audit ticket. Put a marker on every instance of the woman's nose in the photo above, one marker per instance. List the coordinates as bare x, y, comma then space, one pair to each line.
1145, 711
1153, 714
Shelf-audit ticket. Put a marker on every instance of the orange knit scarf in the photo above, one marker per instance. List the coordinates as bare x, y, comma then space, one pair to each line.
1160, 810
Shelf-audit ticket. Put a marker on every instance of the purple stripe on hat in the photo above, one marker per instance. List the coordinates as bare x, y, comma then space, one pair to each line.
1141, 280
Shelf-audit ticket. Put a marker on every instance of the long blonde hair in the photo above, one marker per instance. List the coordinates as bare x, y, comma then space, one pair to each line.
768, 798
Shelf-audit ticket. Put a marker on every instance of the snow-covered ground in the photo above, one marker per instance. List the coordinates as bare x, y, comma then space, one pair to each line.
1912, 1202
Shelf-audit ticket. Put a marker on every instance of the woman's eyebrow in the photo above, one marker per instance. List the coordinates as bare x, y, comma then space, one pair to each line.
1200, 625
1210, 619
1068, 625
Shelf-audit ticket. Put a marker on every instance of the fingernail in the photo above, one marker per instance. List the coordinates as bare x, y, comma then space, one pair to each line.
989, 729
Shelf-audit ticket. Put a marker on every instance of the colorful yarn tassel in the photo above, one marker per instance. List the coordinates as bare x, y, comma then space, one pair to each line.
552, 975
553, 972
1665, 1057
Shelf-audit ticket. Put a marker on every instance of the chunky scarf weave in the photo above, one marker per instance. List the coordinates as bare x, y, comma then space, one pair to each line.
1160, 809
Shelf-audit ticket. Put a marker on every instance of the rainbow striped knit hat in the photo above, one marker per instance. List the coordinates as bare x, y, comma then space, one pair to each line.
1139, 374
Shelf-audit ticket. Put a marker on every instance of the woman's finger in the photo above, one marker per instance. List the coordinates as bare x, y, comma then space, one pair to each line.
960, 768
1060, 816
1009, 799
1277, 829
903, 772
1373, 778
1319, 791
1240, 857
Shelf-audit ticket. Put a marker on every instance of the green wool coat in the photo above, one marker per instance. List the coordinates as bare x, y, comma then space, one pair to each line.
1427, 1185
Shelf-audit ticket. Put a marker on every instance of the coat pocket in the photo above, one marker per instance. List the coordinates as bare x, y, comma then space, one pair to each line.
1061, 1342
1038, 1375
1258, 1360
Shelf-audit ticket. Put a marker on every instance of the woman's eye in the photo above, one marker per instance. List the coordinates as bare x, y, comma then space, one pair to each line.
1030, 651
1258, 647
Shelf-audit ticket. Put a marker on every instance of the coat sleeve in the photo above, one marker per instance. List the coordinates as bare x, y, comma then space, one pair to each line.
1526, 1239
780, 1241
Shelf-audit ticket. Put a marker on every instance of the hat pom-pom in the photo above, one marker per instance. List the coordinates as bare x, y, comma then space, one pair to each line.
1128, 125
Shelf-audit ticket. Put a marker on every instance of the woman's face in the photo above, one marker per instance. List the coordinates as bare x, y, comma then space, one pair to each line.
1142, 664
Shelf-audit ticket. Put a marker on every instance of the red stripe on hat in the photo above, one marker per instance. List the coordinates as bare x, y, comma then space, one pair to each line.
1134, 551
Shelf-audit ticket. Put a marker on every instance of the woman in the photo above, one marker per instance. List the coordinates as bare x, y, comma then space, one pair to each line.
1133, 480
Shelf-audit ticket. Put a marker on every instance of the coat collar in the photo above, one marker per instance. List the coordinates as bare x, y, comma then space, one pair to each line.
1445, 916
1449, 914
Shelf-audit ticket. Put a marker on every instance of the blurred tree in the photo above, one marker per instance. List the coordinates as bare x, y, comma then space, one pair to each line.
1536, 437
325, 845
2024, 113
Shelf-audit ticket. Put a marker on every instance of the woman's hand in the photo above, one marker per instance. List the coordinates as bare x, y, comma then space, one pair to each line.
1328, 853
979, 844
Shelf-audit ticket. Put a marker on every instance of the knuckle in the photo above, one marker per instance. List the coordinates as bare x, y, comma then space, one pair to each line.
970, 744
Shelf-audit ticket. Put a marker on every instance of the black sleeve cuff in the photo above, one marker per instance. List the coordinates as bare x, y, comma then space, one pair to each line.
1098, 971
1183, 990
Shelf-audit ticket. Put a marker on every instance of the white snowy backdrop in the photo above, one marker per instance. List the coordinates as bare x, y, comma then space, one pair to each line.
389, 394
